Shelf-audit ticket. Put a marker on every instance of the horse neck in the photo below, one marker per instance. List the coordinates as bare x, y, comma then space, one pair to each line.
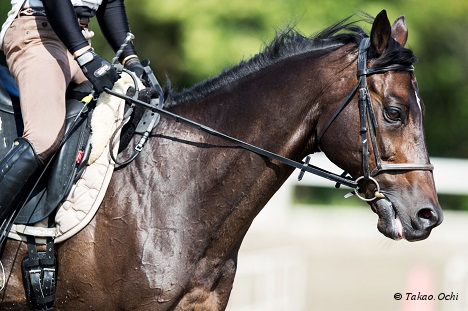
280, 107
216, 188
275, 108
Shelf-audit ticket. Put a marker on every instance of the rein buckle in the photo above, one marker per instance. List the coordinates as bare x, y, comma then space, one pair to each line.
304, 166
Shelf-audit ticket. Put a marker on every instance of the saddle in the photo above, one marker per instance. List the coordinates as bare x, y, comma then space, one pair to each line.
71, 160
67, 164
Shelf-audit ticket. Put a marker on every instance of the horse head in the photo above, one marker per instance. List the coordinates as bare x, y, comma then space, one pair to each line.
388, 155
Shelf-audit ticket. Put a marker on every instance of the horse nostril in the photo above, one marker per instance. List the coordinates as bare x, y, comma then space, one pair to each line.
428, 217
426, 213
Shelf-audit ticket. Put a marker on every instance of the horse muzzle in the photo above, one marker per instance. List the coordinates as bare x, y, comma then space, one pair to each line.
398, 223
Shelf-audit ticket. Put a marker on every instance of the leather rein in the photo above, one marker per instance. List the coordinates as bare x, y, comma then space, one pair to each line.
367, 121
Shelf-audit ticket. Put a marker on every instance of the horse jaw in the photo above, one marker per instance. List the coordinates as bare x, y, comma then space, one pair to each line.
389, 223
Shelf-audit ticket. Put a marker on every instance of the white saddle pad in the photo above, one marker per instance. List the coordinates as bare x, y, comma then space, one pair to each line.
85, 197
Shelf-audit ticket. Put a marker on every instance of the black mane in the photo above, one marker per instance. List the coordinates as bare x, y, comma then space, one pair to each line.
289, 42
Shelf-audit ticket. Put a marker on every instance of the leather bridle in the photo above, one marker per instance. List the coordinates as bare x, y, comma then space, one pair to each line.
368, 122
367, 119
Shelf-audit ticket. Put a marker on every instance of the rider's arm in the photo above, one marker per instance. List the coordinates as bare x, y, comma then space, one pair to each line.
62, 17
112, 19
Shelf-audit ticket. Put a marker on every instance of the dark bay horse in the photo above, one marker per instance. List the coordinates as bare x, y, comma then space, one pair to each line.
169, 230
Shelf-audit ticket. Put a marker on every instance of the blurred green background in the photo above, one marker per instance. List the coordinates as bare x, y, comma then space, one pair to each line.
189, 41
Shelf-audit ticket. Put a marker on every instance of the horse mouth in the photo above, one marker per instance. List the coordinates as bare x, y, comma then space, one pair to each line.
389, 223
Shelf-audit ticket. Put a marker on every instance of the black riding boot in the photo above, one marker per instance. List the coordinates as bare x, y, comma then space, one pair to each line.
16, 169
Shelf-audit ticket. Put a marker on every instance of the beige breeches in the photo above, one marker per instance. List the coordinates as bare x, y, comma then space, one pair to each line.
43, 68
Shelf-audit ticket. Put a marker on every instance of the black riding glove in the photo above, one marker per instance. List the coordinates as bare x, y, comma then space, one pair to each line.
134, 64
98, 70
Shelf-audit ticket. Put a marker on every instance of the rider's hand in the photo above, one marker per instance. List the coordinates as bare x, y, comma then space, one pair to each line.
134, 64
98, 70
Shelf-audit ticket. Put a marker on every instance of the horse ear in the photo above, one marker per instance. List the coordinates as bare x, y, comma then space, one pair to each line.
400, 31
381, 34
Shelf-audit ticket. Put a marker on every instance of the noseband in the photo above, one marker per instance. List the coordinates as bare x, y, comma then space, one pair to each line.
368, 122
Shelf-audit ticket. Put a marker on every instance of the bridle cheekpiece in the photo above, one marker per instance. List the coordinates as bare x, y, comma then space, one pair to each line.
368, 123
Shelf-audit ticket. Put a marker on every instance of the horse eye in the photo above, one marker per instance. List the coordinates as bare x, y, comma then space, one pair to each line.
393, 114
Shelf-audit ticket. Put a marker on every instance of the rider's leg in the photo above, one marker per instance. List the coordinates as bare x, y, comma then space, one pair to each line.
16, 168
43, 68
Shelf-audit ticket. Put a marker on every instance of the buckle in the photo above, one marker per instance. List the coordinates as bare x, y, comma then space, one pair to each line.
83, 22
32, 11
305, 164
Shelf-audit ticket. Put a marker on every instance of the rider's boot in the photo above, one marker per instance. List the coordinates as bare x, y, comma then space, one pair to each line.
18, 166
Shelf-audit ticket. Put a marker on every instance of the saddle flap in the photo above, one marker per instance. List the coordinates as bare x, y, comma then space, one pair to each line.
49, 191
9, 101
58, 179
